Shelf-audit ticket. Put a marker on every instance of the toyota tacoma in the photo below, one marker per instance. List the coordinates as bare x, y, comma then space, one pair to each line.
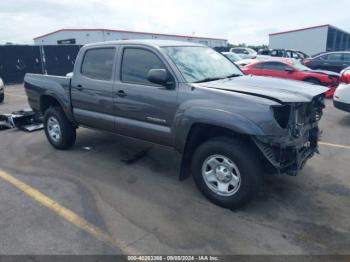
229, 127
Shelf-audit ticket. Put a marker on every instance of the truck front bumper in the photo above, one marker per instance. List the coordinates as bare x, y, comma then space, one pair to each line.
288, 156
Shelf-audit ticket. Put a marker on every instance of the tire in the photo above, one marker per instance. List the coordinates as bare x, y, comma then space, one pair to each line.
313, 81
246, 170
58, 129
2, 97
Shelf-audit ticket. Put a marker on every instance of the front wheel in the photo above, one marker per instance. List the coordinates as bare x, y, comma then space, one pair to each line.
58, 129
227, 171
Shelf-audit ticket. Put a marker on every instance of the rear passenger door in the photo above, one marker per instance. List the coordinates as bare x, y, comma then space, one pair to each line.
92, 88
144, 110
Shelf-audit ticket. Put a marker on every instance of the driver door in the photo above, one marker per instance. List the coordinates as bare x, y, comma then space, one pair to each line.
143, 109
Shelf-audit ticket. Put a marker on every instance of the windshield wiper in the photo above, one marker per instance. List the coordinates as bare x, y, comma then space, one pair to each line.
208, 79
233, 75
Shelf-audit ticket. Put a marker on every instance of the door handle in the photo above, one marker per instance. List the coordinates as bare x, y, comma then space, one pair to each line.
80, 87
121, 93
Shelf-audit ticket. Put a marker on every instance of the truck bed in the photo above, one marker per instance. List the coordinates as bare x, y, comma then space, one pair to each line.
37, 85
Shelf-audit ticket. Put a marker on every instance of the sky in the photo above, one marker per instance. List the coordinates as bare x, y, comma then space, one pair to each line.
239, 21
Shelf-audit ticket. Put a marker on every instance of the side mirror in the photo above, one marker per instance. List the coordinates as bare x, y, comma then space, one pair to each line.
158, 76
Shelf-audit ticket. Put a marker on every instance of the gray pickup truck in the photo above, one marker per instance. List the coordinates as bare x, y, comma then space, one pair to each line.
229, 127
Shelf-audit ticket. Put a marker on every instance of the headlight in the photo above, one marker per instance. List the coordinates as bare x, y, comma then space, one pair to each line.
282, 115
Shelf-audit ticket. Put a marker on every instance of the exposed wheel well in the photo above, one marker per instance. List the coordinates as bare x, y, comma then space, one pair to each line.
200, 133
46, 102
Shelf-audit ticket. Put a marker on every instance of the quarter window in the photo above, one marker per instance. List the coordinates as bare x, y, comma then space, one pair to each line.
98, 63
136, 65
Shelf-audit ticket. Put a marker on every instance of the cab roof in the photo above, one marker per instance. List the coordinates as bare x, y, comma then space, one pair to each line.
148, 42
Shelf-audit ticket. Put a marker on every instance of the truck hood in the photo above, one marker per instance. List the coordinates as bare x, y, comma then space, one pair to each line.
280, 90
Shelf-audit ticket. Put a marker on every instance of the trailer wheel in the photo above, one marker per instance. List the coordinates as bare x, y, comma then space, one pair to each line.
58, 129
227, 171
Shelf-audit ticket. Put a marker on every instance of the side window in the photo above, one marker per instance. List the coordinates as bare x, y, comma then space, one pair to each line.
275, 66
346, 57
296, 55
276, 53
258, 66
98, 63
323, 57
136, 63
335, 57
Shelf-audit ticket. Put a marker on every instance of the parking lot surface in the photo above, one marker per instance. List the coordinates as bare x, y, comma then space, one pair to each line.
142, 207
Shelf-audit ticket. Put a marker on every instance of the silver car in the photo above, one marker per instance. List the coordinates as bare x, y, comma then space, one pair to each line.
2, 94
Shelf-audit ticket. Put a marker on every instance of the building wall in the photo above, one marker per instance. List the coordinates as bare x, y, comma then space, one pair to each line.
85, 37
310, 41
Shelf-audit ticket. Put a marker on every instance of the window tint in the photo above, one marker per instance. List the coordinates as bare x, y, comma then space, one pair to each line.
346, 57
323, 57
275, 66
98, 63
335, 57
258, 66
136, 64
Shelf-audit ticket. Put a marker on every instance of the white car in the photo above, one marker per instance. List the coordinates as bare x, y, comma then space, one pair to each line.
244, 52
2, 94
341, 98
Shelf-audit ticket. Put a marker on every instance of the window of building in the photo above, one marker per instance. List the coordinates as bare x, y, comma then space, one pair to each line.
98, 63
136, 65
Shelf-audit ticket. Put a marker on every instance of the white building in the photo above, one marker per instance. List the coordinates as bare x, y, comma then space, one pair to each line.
85, 36
312, 40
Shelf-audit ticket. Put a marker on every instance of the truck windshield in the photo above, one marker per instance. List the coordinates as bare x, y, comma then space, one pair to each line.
201, 64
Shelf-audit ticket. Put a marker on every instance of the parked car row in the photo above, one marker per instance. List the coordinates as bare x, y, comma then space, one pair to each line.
296, 71
286, 53
288, 68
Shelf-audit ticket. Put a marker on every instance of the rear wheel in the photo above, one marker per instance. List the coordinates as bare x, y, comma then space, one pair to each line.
58, 129
226, 171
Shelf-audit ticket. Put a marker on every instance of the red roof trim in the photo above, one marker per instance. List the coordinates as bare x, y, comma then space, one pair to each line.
301, 29
124, 31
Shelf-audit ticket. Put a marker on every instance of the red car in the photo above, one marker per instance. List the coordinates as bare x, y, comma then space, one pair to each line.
296, 71
345, 76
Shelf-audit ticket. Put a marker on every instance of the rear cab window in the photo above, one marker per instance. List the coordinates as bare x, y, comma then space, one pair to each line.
98, 63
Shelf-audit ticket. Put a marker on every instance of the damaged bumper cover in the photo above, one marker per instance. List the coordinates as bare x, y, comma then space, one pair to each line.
289, 155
